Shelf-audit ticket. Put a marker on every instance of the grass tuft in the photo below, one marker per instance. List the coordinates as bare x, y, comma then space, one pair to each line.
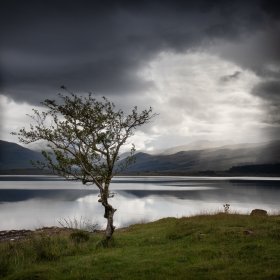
79, 236
45, 248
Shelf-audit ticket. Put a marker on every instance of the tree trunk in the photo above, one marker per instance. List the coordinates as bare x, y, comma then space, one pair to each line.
109, 211
109, 215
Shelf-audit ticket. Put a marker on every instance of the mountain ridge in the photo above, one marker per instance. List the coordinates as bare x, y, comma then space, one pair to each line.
17, 158
14, 156
214, 159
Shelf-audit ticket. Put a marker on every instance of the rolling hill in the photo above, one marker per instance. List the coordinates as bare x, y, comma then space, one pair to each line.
214, 159
14, 156
241, 158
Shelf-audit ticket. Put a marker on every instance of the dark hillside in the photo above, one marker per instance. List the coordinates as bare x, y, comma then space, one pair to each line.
14, 156
214, 159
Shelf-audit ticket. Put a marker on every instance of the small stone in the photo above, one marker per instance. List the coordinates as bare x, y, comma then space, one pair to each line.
258, 212
248, 232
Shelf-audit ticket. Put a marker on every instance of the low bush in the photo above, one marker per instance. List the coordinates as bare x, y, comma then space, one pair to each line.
45, 248
79, 236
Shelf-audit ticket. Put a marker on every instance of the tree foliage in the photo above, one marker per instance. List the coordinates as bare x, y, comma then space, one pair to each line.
84, 137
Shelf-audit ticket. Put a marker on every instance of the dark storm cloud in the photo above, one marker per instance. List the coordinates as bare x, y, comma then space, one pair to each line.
232, 77
271, 7
269, 91
101, 45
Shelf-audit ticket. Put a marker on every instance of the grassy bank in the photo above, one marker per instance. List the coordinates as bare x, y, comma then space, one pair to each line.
220, 246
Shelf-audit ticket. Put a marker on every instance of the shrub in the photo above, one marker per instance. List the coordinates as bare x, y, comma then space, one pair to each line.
78, 224
226, 208
79, 236
45, 249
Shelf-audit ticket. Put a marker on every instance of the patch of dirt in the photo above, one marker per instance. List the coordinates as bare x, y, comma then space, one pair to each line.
14, 235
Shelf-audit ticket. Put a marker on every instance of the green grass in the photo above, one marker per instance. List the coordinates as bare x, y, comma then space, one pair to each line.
201, 247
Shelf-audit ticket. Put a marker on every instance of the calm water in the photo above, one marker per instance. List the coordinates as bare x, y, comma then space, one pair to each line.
36, 201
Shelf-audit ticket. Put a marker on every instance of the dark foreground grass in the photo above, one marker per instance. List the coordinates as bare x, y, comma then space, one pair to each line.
221, 246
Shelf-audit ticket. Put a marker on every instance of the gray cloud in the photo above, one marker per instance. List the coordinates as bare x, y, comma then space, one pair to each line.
100, 46
269, 91
231, 77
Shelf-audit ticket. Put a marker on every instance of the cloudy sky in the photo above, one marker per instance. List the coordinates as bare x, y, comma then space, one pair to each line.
211, 69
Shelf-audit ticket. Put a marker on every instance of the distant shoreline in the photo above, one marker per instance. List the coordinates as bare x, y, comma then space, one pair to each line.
261, 170
52, 177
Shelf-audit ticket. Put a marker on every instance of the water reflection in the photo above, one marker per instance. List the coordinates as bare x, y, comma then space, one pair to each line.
15, 195
34, 203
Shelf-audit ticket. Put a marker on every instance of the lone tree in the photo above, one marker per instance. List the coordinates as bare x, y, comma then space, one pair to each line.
84, 137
